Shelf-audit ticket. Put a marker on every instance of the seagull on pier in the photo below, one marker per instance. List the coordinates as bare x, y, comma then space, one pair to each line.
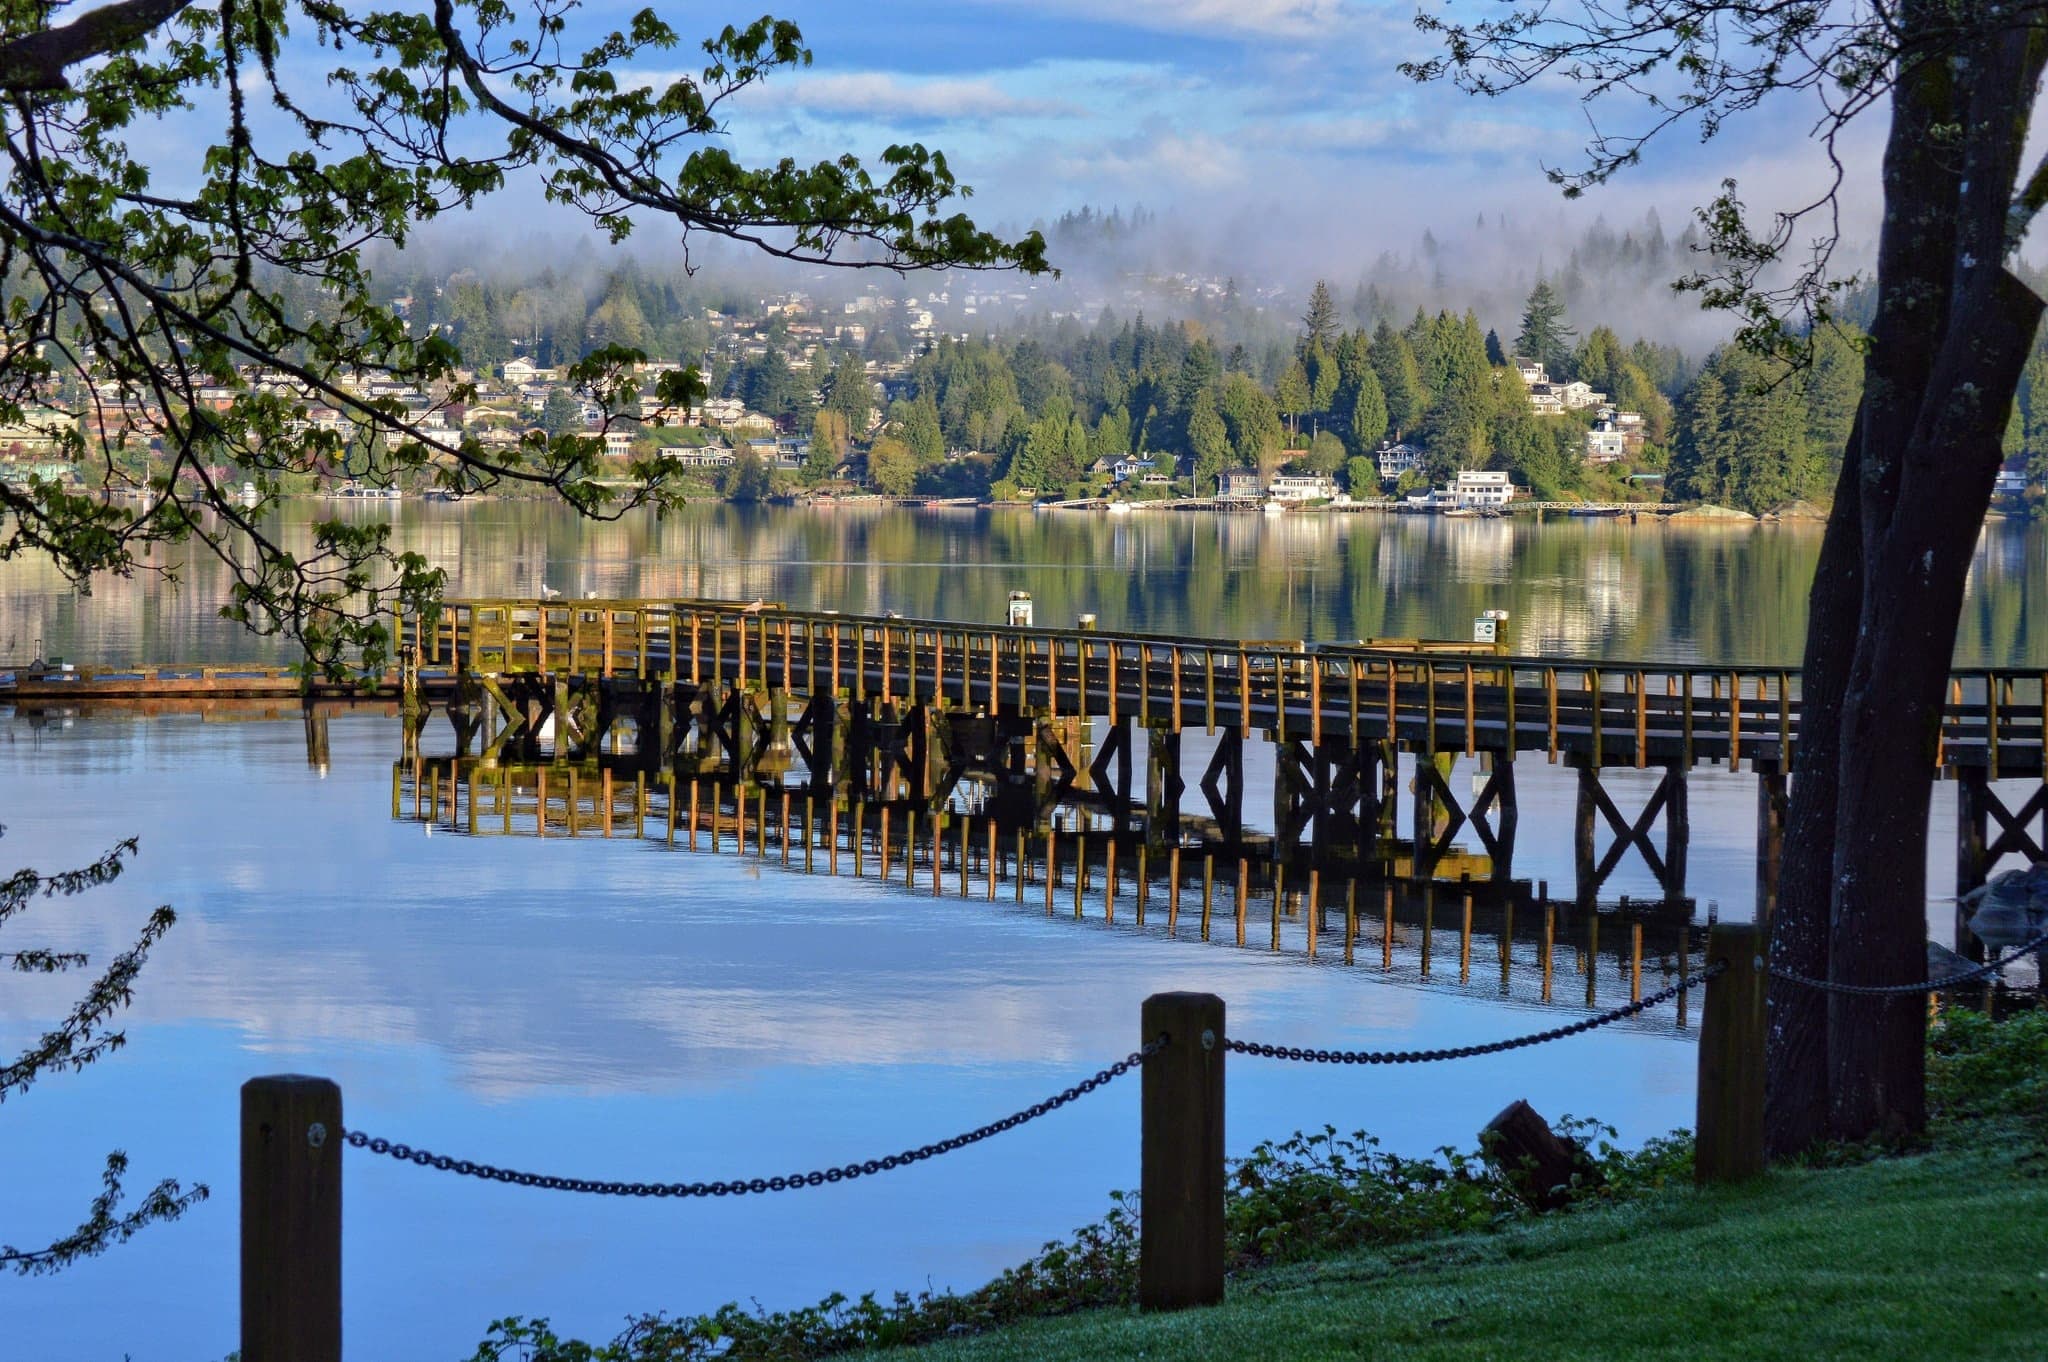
548, 593
754, 607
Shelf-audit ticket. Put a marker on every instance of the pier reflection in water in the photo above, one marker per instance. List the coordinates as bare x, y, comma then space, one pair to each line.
1507, 937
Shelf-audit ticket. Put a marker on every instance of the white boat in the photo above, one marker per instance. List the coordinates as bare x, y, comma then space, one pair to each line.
1119, 508
1273, 508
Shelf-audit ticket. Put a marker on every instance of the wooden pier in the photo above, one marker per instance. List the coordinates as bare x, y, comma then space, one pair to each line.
1025, 721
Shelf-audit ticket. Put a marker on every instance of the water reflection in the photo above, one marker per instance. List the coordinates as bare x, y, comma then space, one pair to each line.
620, 1009
1541, 952
1574, 586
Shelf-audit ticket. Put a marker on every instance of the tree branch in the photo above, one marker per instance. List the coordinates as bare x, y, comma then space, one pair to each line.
35, 63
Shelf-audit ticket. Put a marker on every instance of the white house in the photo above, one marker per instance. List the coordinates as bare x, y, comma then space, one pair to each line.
1576, 395
1606, 443
1530, 370
705, 456
1472, 488
1396, 459
1302, 487
520, 372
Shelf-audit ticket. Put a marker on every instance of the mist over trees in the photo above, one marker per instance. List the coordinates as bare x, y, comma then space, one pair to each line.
1229, 374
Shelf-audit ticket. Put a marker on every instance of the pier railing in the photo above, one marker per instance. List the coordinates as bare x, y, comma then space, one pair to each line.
1423, 698
293, 1137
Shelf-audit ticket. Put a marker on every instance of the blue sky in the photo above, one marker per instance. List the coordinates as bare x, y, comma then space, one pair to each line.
1232, 113
1276, 136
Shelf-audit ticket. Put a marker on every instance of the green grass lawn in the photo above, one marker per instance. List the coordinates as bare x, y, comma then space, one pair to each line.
1937, 1255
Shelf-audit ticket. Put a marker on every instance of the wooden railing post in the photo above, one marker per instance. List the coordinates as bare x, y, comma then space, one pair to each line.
1180, 1245
1729, 1143
291, 1220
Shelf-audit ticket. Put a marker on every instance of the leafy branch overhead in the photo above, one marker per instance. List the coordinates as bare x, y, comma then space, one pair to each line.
162, 339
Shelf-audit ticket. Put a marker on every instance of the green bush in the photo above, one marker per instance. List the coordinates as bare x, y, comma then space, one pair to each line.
1980, 1069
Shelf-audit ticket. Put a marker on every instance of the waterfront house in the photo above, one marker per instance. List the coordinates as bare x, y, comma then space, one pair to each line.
1302, 487
1238, 484
1472, 488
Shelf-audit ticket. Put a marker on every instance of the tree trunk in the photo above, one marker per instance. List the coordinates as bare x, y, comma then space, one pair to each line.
1951, 334
1796, 1048
1915, 245
1916, 561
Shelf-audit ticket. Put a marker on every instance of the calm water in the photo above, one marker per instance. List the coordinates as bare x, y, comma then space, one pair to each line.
1574, 587
618, 1009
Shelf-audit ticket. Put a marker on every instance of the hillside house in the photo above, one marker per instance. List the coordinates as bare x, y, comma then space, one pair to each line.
700, 456
1396, 459
518, 373
1605, 443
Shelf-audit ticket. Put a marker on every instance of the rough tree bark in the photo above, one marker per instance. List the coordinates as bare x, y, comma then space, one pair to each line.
1930, 457
1796, 1049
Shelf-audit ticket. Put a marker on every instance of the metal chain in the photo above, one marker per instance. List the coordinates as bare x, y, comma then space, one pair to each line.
1252, 1047
1983, 971
746, 1186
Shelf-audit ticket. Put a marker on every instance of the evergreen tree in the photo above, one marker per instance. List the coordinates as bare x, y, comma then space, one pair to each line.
1600, 359
1545, 337
1400, 380
1208, 441
1319, 324
1291, 393
917, 425
1368, 414
848, 393
1698, 469
1323, 377
768, 385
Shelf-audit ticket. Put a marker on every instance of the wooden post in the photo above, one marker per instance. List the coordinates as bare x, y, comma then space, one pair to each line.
1180, 1244
1972, 833
1729, 1146
291, 1219
1772, 803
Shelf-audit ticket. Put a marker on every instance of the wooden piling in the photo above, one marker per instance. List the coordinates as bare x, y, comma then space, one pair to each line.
1729, 1144
291, 1219
1181, 1245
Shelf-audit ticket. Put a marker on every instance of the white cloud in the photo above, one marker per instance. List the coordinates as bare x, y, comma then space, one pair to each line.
1279, 19
1154, 161
886, 94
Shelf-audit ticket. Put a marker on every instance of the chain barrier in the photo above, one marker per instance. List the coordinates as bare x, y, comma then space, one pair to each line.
746, 1186
1252, 1047
1983, 971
